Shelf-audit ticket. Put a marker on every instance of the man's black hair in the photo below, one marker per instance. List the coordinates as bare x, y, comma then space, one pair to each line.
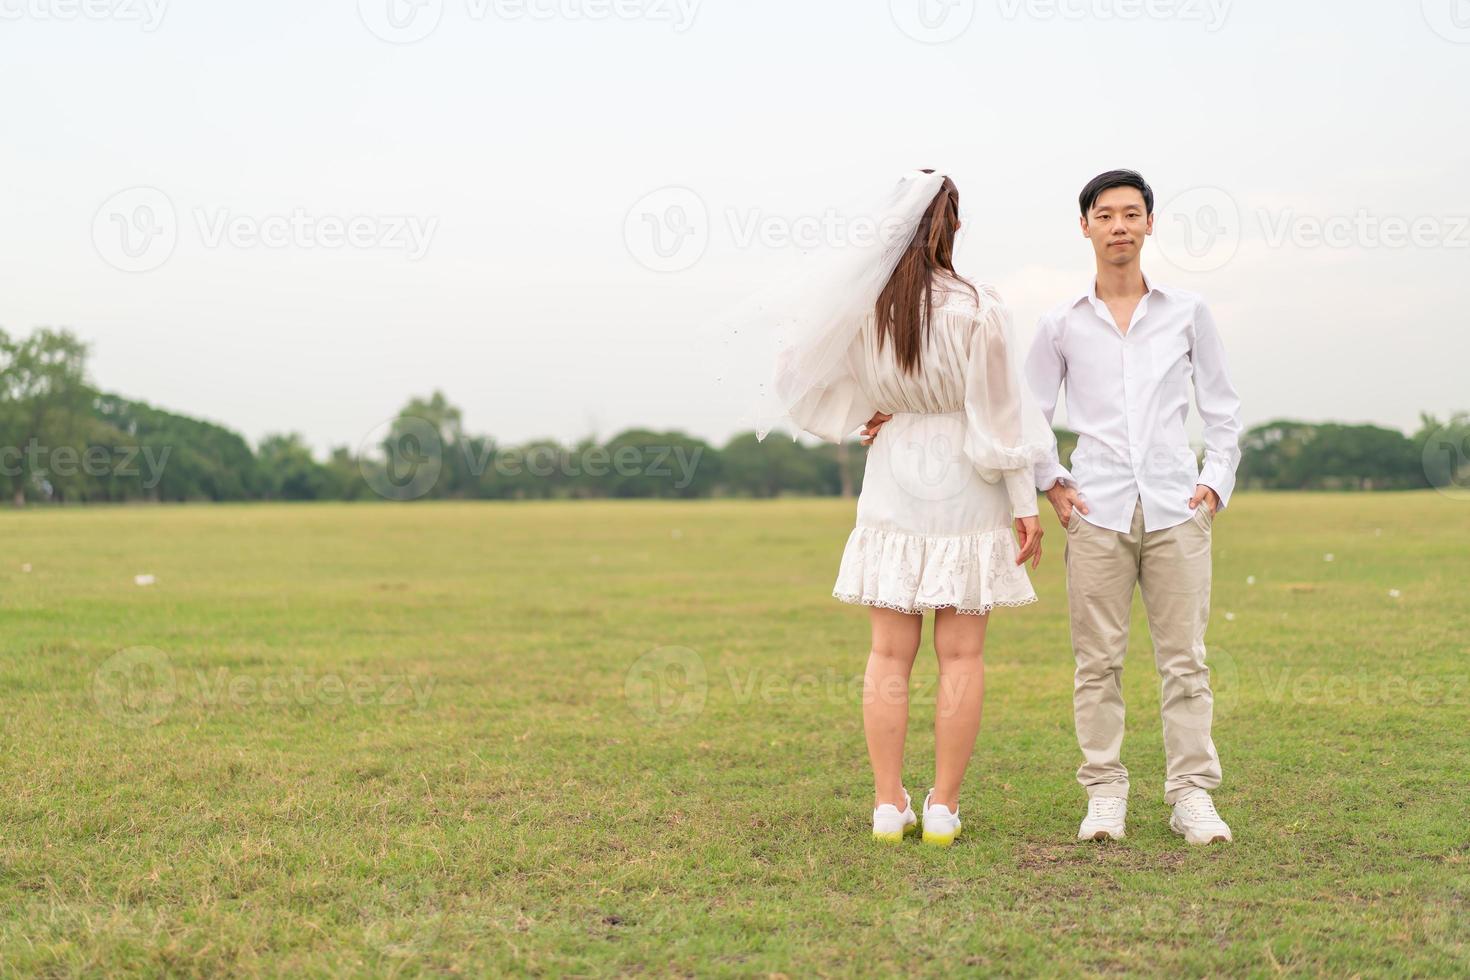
1116, 178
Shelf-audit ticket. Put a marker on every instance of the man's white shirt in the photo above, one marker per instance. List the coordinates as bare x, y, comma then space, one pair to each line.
1127, 400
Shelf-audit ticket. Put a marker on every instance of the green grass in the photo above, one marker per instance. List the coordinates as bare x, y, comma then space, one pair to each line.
522, 772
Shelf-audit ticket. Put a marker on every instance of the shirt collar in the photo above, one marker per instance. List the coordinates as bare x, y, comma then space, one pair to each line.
1089, 295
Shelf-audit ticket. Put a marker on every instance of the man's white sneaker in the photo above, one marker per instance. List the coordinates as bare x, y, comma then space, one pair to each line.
890, 824
1105, 819
1195, 818
941, 825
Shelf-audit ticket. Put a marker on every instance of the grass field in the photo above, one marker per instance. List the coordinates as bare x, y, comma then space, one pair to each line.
625, 737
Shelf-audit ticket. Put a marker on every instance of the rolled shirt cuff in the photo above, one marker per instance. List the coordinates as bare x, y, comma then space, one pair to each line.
1219, 478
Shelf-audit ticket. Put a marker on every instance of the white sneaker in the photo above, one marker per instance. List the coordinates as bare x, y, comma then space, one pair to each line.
1195, 818
941, 825
889, 824
1104, 820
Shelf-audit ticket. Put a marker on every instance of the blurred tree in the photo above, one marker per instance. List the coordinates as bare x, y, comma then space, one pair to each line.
160, 455
44, 401
644, 463
777, 466
1443, 449
1288, 455
431, 431
288, 471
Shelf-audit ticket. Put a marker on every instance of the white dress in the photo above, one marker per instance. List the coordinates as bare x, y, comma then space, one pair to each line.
933, 530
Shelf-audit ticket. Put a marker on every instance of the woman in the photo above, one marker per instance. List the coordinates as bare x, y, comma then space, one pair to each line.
893, 336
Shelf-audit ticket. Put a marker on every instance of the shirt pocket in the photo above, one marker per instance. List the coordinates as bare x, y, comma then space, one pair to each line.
1172, 367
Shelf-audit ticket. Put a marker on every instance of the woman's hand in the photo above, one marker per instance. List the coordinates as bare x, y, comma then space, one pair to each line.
873, 425
1028, 529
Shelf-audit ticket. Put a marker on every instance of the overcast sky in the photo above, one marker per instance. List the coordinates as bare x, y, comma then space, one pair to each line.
297, 214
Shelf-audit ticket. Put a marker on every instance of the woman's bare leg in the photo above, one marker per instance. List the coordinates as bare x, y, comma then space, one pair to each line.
886, 698
959, 641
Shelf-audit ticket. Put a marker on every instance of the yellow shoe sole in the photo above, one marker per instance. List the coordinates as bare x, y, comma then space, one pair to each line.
941, 840
895, 836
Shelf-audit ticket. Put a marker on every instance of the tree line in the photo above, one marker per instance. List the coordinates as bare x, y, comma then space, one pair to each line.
64, 441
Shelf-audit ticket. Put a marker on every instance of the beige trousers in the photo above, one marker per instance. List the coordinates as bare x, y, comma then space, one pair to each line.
1172, 569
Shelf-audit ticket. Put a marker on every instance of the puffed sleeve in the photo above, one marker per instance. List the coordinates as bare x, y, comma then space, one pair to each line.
832, 410
1006, 435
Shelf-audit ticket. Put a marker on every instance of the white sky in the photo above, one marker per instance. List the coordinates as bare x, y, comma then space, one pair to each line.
522, 132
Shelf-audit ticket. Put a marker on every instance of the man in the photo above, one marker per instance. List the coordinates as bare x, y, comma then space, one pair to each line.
1136, 507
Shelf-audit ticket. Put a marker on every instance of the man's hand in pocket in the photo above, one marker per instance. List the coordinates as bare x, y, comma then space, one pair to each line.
1065, 499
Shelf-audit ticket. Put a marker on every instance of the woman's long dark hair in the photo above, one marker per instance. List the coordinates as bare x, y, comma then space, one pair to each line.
903, 306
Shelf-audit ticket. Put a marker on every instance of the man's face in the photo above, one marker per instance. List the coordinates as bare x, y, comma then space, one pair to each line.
1117, 224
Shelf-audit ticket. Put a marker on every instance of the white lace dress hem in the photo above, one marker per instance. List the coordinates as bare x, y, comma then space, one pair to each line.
970, 573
